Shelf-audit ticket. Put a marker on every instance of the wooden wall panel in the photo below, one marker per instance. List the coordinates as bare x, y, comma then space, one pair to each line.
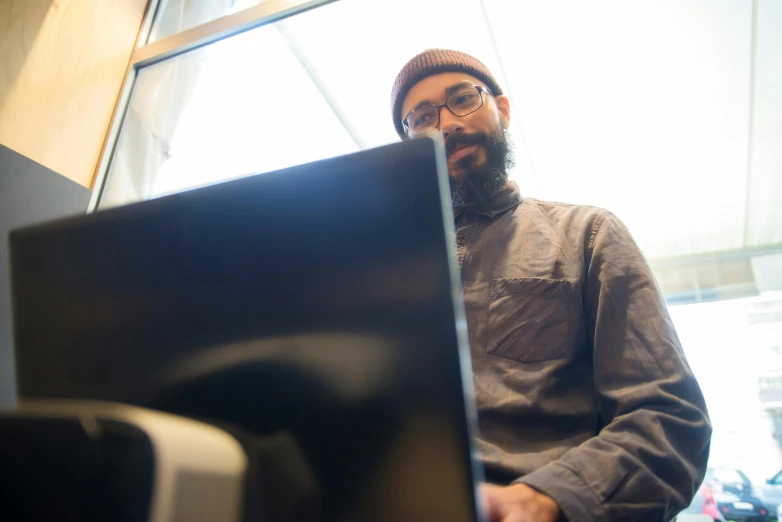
61, 68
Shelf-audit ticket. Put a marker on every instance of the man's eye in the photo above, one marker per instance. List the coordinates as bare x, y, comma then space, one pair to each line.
466, 98
423, 119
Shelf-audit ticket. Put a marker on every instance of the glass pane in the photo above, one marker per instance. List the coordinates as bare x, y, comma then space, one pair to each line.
206, 116
764, 213
734, 346
672, 121
650, 97
175, 16
312, 86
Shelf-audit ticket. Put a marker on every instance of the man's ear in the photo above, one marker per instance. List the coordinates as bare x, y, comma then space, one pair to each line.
503, 106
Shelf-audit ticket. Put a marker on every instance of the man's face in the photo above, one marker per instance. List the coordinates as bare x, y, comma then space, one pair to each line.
477, 148
466, 136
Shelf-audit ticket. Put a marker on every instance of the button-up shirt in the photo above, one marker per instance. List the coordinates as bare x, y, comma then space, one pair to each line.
582, 387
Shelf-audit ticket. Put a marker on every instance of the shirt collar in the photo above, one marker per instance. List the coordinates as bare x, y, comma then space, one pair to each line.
507, 197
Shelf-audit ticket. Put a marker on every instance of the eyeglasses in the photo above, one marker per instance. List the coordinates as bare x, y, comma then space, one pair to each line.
466, 100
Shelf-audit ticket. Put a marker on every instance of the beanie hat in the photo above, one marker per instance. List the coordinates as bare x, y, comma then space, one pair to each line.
434, 61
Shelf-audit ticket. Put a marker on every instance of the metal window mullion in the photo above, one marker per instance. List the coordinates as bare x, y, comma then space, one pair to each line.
120, 107
753, 52
322, 88
265, 13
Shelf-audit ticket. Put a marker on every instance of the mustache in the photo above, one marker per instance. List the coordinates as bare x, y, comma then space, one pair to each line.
461, 139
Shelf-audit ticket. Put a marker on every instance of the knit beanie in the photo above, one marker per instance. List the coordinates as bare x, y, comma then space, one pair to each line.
434, 61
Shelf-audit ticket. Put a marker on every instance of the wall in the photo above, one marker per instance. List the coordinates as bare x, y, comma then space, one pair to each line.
61, 67
29, 193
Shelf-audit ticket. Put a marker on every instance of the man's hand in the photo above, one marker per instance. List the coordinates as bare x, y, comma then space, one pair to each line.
519, 503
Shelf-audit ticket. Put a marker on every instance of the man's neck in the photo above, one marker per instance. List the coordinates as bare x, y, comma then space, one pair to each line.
507, 196
476, 193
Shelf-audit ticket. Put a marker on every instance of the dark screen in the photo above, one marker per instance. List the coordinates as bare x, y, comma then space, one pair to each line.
315, 302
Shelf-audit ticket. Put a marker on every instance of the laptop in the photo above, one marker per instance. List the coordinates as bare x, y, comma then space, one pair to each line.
320, 301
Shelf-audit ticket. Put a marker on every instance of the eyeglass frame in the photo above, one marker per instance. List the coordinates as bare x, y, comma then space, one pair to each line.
480, 88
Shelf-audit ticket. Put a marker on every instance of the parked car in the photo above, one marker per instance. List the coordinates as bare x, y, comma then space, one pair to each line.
727, 494
703, 503
771, 494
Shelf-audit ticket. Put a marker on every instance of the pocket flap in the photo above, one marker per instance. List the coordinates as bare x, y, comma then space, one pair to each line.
553, 288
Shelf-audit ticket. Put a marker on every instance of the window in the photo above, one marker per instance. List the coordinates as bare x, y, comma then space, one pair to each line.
238, 106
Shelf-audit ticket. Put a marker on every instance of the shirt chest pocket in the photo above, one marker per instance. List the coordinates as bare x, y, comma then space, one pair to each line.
529, 319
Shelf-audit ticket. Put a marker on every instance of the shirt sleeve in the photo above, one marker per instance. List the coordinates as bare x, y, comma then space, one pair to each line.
650, 456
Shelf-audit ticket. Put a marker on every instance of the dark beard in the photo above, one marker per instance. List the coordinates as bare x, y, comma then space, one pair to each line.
479, 183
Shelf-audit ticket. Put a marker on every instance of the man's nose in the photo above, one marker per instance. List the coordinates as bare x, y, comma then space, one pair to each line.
449, 123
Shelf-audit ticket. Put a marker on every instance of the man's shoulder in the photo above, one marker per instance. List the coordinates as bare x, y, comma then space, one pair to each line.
586, 216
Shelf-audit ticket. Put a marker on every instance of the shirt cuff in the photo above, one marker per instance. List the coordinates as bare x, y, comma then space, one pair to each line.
576, 500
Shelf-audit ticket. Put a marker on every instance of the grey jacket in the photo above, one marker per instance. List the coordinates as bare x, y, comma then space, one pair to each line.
582, 387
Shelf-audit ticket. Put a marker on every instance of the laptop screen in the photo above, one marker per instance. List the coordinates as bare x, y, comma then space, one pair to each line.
318, 302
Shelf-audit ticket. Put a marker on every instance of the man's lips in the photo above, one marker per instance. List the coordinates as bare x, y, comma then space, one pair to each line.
460, 151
